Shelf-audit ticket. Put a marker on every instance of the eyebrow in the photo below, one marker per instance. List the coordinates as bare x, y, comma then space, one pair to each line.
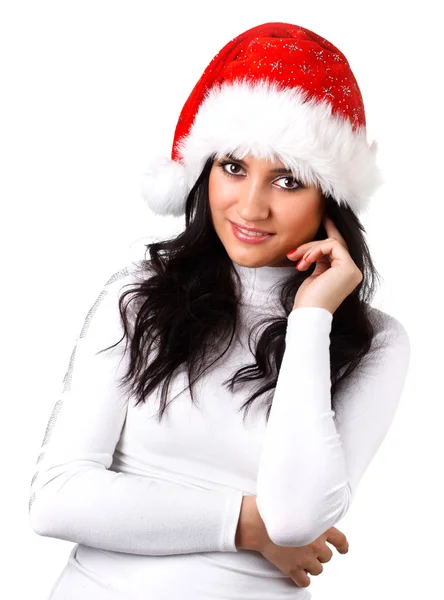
243, 163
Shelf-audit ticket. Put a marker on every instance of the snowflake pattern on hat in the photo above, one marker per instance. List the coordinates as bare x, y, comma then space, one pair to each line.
275, 91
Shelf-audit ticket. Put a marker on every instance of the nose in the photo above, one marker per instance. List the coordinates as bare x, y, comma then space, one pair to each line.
252, 200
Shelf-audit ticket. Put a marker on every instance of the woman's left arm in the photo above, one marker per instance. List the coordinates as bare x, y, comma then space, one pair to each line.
313, 457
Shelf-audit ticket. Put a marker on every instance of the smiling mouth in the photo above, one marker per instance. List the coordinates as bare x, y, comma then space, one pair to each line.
250, 237
246, 230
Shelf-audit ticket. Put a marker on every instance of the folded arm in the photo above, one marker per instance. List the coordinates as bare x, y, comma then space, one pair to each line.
74, 494
313, 457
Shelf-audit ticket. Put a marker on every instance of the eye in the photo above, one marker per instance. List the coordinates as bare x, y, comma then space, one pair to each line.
228, 164
296, 184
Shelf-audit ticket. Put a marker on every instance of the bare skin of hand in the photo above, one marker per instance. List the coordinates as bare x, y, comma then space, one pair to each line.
335, 276
295, 562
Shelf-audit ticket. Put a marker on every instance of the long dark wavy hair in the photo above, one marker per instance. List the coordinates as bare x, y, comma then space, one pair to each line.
186, 309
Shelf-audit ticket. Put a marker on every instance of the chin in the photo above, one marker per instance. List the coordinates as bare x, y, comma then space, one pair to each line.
257, 261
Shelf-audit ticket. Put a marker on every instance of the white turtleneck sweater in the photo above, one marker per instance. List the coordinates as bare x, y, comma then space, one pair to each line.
153, 507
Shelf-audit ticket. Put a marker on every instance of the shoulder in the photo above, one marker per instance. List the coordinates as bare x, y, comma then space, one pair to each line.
103, 318
390, 342
387, 326
134, 271
125, 277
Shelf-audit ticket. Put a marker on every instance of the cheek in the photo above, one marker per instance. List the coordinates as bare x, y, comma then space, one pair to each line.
212, 190
220, 195
302, 220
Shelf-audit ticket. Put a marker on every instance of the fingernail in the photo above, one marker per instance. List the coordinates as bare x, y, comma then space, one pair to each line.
291, 251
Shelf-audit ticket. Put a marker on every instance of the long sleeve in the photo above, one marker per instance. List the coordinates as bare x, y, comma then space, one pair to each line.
313, 457
74, 494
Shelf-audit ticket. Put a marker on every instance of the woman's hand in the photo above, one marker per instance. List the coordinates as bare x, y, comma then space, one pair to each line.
294, 562
297, 562
335, 275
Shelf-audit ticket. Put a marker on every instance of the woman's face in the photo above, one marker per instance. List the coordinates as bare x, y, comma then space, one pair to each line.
250, 192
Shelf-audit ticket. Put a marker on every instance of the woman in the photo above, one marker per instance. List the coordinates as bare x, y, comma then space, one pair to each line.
146, 463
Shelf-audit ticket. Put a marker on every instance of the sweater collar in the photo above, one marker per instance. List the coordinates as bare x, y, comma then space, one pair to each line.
260, 284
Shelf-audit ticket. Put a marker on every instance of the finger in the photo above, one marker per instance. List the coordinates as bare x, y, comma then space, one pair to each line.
303, 248
329, 224
325, 554
337, 539
332, 230
298, 252
332, 249
302, 579
315, 567
341, 547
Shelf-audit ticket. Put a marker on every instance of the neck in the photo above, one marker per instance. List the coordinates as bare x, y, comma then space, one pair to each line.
260, 284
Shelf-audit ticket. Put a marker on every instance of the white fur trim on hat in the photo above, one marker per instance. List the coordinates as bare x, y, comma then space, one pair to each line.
164, 187
267, 121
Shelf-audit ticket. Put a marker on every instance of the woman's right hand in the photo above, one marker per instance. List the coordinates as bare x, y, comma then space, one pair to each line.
296, 562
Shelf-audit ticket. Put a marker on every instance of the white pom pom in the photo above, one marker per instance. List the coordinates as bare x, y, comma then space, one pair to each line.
164, 187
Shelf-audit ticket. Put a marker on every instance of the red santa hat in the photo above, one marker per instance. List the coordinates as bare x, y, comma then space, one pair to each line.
276, 91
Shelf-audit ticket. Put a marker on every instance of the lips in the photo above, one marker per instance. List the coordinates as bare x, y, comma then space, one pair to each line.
248, 238
251, 228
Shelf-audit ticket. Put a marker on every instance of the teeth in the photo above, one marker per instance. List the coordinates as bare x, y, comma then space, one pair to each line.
252, 233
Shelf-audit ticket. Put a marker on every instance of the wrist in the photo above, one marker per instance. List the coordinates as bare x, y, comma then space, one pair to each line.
251, 533
314, 305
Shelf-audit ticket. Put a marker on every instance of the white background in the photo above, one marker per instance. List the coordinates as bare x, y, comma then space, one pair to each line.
89, 90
